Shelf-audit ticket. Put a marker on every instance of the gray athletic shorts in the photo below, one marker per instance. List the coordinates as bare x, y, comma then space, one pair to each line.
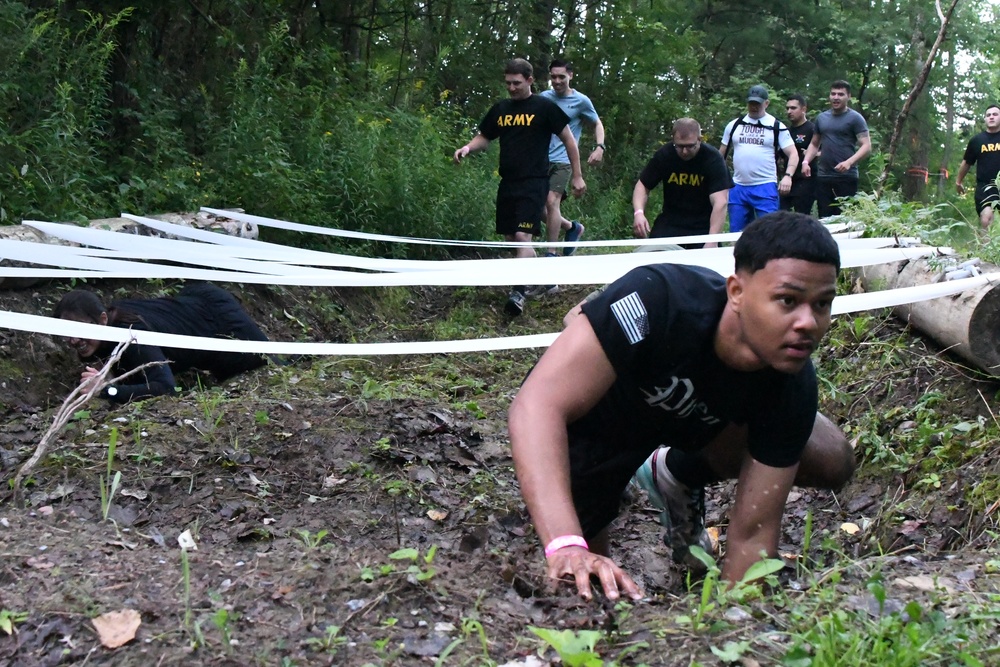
560, 174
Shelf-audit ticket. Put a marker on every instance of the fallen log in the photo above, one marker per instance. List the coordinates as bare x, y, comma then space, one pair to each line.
967, 324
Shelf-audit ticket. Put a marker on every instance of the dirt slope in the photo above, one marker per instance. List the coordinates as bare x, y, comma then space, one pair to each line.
300, 484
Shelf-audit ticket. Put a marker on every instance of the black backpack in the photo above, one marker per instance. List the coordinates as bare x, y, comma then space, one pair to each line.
777, 130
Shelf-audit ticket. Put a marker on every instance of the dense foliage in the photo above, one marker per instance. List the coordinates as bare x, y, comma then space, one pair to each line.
346, 113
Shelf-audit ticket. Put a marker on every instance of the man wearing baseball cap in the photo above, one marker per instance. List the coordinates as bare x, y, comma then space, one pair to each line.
755, 139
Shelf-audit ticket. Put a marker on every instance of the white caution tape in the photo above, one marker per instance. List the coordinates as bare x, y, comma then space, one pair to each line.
597, 269
607, 243
281, 265
56, 327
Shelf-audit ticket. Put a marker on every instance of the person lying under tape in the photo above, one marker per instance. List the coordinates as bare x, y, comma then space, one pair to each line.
199, 309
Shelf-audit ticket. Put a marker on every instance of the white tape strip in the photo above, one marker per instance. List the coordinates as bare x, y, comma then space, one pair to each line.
226, 257
607, 243
122, 245
852, 303
588, 270
47, 325
67, 328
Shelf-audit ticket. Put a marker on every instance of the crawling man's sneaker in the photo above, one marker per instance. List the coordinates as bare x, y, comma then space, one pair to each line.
541, 290
682, 509
515, 303
573, 234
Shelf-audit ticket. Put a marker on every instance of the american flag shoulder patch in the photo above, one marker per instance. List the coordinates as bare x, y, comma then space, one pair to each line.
632, 317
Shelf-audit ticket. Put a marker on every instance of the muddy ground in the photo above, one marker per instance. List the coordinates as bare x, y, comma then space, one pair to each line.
301, 483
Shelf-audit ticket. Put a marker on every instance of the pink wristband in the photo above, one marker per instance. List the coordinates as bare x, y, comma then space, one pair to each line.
563, 542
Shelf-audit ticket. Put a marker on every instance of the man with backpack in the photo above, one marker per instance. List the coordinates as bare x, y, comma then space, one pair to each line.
756, 138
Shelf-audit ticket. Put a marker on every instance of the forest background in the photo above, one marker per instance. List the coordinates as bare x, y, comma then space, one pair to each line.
346, 112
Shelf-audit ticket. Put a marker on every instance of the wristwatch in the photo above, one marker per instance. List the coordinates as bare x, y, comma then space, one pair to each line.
601, 146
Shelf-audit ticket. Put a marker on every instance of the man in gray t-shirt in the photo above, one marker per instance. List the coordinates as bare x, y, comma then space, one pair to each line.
841, 139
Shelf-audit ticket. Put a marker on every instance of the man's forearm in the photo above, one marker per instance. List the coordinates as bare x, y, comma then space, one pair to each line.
742, 554
640, 197
863, 150
599, 131
793, 161
963, 170
573, 152
718, 216
539, 446
812, 150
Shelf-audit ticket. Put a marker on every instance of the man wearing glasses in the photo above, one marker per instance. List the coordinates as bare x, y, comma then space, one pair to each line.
695, 188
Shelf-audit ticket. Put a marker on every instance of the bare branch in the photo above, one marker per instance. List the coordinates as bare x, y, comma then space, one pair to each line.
76, 400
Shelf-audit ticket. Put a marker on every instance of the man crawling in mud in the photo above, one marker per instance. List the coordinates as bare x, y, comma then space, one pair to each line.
718, 370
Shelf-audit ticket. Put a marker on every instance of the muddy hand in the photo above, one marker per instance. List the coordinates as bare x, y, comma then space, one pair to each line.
87, 377
580, 564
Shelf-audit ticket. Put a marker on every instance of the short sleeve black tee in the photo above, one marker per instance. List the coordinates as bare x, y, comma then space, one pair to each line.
686, 187
200, 309
657, 326
801, 135
984, 149
524, 128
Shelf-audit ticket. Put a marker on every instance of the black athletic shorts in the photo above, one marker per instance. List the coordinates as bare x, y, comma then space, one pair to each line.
801, 197
521, 205
600, 469
986, 195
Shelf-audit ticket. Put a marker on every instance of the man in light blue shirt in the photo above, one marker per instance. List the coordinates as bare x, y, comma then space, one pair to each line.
581, 111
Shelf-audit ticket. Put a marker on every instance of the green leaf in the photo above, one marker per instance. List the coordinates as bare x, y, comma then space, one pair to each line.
575, 648
732, 651
762, 568
405, 554
702, 556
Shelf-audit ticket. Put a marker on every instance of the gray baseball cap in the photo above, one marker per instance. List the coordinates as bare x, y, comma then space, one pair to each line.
757, 94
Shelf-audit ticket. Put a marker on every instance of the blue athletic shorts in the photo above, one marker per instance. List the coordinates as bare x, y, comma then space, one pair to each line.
748, 202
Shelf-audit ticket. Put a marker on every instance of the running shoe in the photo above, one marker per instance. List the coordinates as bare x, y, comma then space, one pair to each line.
515, 303
573, 234
541, 290
682, 510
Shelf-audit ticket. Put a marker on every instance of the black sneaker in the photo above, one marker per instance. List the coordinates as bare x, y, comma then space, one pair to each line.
541, 290
573, 234
515, 303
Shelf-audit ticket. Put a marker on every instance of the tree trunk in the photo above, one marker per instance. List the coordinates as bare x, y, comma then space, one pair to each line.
918, 87
949, 125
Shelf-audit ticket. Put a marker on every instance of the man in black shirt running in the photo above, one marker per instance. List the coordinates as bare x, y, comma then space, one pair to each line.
524, 124
984, 150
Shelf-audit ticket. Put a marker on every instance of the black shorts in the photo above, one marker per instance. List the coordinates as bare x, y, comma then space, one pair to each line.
801, 197
600, 469
986, 195
521, 205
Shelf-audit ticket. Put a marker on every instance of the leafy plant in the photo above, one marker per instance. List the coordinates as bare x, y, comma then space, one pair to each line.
330, 642
575, 648
8, 619
713, 595
221, 619
109, 483
311, 540
416, 571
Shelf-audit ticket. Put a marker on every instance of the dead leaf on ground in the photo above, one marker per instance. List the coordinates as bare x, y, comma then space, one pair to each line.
850, 528
39, 563
924, 582
117, 628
